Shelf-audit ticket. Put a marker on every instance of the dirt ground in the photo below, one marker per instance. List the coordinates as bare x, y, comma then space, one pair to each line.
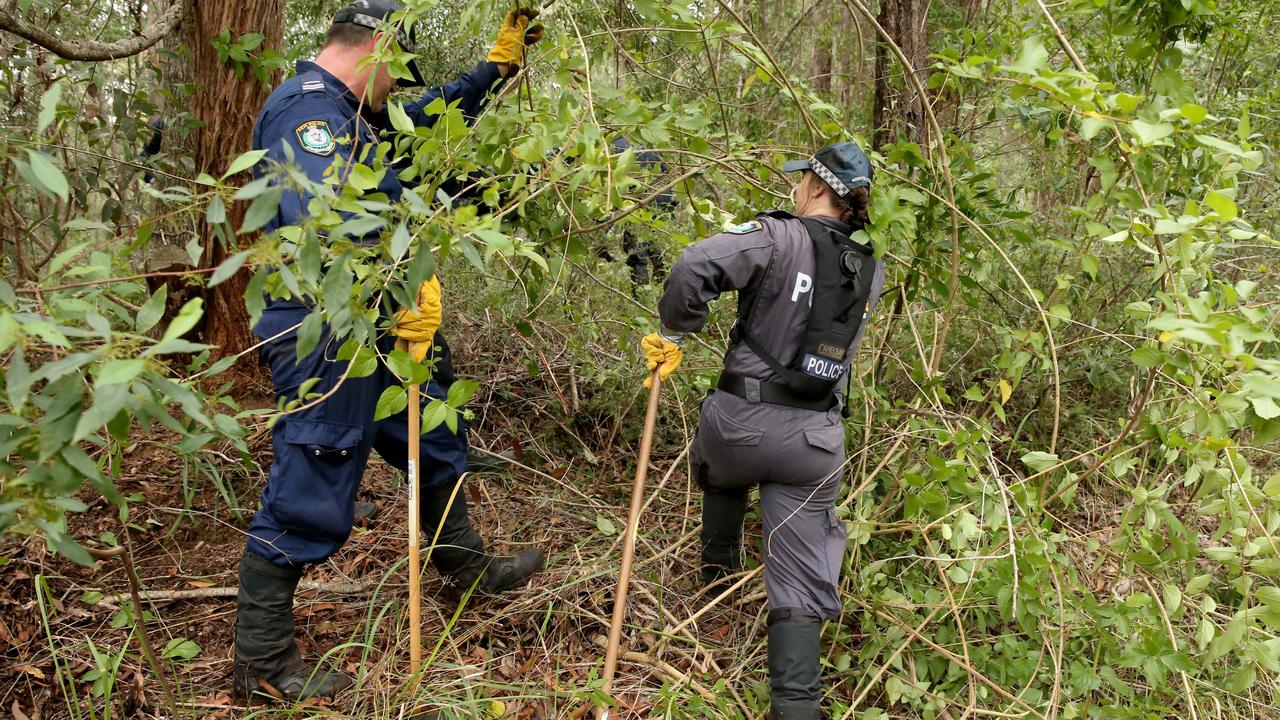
536, 652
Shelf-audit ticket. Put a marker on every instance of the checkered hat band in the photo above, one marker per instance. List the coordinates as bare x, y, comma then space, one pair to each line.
373, 23
828, 177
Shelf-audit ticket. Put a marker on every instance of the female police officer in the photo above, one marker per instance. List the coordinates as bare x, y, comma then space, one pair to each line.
805, 290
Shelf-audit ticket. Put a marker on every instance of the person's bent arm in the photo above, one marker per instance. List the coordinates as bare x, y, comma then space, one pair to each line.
471, 91
717, 265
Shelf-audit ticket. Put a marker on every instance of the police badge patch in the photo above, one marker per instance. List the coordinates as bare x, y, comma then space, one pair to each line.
744, 228
315, 137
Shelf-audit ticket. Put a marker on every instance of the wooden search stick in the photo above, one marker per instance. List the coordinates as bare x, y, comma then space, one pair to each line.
629, 546
415, 565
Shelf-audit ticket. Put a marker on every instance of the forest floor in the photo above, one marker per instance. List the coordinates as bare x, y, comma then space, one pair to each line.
536, 651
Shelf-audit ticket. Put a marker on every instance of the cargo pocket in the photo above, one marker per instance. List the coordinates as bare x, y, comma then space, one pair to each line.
836, 541
730, 431
318, 483
827, 437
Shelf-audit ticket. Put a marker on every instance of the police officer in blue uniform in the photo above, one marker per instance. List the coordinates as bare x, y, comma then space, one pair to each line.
335, 106
645, 254
805, 292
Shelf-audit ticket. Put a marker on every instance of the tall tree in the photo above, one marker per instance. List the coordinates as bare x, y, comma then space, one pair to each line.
226, 102
899, 108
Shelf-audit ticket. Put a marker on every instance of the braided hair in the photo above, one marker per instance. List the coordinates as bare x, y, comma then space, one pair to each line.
853, 206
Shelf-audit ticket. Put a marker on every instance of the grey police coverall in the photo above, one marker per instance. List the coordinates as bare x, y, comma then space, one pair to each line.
795, 455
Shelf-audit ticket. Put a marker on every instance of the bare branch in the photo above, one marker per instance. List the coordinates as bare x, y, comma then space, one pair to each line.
94, 50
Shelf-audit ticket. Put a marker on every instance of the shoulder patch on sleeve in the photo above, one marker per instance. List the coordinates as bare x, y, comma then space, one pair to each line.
315, 137
745, 228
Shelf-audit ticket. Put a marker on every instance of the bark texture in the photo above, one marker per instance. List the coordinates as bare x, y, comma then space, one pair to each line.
227, 105
899, 108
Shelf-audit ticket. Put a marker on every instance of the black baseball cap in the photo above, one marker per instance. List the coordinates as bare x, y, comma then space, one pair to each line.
373, 14
842, 166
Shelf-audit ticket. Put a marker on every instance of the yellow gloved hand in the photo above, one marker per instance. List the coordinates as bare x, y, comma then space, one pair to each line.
514, 36
416, 328
662, 354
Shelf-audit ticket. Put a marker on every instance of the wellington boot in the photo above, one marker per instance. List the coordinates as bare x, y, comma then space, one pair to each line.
267, 663
478, 462
500, 574
722, 513
364, 512
794, 670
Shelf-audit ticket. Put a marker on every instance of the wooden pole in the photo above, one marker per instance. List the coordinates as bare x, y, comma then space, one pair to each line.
629, 546
415, 565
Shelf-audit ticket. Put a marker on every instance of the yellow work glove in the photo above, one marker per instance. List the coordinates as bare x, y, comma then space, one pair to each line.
415, 329
662, 354
514, 36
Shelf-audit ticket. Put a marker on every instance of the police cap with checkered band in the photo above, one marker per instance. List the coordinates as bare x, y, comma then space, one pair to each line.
373, 14
842, 166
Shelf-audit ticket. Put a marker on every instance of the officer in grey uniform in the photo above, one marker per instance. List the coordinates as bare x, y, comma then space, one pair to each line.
775, 418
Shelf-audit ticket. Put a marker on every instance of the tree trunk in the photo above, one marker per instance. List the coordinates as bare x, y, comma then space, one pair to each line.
820, 60
227, 105
899, 109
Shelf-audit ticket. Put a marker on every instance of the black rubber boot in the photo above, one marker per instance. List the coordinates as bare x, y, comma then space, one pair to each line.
459, 553
478, 462
267, 663
365, 511
795, 639
722, 513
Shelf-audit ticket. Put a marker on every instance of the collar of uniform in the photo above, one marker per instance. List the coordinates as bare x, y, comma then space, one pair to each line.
838, 225
331, 82
377, 119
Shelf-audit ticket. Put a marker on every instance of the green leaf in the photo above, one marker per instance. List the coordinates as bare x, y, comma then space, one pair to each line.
228, 268
119, 371
18, 379
181, 649
393, 400
363, 177
532, 149
399, 118
1195, 114
435, 415
1269, 594
1223, 205
309, 333
1151, 133
47, 174
261, 210
401, 364
1147, 357
244, 162
1090, 126
363, 363
460, 392
605, 525
1032, 58
63, 544
1265, 407
1040, 461
400, 241
187, 318
152, 310
216, 212
48, 108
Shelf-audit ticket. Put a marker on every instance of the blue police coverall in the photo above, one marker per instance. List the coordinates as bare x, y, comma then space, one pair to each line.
321, 452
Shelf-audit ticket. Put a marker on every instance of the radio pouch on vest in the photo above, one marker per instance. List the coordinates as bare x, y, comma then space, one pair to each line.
843, 271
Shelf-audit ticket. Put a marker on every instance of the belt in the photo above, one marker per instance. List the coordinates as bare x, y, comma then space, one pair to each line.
773, 392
